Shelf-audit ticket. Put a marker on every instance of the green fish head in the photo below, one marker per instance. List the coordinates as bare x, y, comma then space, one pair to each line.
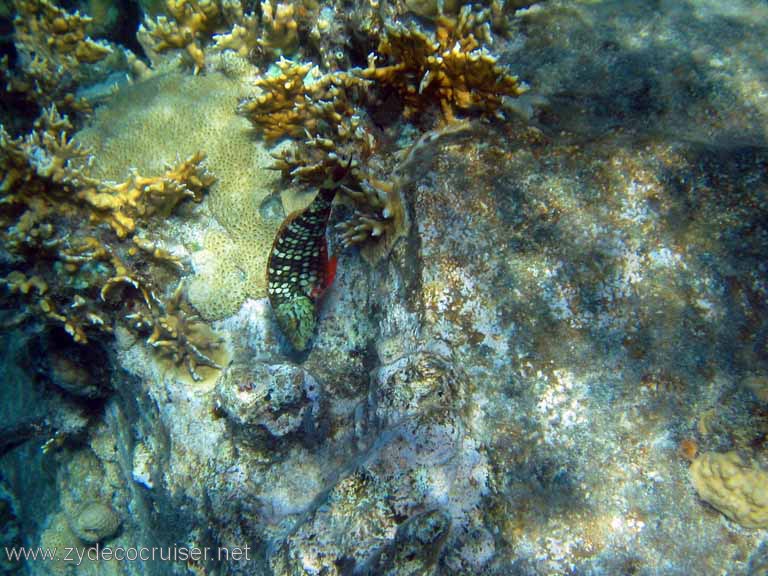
296, 319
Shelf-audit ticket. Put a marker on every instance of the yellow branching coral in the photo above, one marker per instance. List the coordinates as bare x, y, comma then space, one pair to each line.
18, 283
280, 35
242, 38
52, 33
140, 197
160, 254
193, 21
47, 172
52, 45
378, 209
76, 275
219, 25
452, 68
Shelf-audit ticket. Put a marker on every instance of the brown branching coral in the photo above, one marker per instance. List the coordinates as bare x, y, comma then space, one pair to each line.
379, 216
280, 29
73, 273
327, 115
196, 25
299, 102
179, 335
47, 172
450, 68
52, 45
320, 112
326, 118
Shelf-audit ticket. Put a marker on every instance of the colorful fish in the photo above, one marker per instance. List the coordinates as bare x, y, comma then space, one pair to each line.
299, 270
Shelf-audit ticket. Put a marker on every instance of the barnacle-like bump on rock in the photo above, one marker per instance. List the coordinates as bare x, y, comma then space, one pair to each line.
353, 524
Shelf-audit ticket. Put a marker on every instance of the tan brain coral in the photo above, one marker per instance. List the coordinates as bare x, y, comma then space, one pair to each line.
738, 490
94, 522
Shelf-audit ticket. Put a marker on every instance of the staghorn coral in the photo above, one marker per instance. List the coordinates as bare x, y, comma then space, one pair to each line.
451, 67
47, 172
379, 215
202, 28
280, 35
69, 268
324, 115
52, 45
18, 283
156, 252
298, 101
738, 490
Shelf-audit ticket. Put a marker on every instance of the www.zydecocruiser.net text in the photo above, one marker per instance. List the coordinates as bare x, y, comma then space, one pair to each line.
78, 555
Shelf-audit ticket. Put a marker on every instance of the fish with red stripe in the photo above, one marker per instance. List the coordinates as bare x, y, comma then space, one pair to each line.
299, 270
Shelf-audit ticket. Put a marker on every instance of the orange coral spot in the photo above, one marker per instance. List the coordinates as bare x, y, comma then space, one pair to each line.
688, 449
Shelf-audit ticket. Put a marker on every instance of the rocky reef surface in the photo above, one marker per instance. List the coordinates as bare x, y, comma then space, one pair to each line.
559, 365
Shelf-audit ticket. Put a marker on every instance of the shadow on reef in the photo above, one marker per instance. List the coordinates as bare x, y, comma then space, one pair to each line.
55, 387
641, 81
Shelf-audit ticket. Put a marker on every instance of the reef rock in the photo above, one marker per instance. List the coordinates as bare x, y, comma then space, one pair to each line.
268, 402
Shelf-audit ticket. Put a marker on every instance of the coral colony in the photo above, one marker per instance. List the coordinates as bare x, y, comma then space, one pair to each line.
544, 348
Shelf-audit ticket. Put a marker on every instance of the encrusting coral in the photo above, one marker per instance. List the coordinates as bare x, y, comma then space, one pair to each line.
150, 123
52, 46
738, 490
94, 522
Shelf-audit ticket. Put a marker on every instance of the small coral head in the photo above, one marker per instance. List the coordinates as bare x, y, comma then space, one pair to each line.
296, 318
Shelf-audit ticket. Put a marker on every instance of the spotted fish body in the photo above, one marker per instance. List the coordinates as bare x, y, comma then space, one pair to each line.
299, 270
